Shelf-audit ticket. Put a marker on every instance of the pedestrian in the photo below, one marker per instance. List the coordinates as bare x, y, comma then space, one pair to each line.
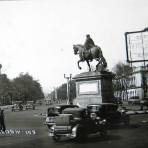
2, 120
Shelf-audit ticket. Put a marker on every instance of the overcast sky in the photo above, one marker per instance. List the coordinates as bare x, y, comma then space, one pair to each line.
37, 36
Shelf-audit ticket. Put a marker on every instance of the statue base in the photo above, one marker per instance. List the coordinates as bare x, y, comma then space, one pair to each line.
93, 88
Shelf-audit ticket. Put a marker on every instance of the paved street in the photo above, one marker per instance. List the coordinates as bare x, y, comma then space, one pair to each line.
26, 129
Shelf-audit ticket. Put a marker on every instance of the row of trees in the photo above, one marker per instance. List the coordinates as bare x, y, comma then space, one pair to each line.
62, 91
22, 88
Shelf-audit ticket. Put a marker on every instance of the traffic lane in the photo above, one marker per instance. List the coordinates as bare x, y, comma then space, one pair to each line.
132, 137
25, 118
22, 126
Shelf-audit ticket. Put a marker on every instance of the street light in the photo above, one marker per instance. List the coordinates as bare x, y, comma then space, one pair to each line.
68, 88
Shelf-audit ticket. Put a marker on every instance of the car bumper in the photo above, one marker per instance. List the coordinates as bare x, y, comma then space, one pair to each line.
65, 131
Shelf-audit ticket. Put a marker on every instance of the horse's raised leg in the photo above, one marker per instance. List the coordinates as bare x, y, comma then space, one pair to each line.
102, 63
79, 65
99, 62
88, 65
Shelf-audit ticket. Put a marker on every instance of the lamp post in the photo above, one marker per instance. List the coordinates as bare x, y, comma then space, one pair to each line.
68, 88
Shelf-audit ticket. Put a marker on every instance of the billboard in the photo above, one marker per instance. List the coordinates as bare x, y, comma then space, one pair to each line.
137, 46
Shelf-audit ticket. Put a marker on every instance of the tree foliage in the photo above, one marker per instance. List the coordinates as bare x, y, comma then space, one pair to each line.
62, 91
26, 88
121, 69
5, 89
22, 88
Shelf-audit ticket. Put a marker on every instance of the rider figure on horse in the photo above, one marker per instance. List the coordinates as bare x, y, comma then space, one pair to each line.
88, 52
89, 43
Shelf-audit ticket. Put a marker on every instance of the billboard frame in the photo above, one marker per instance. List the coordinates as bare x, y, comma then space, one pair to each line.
127, 51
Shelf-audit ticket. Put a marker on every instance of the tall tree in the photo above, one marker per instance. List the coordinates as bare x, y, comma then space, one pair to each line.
62, 91
25, 88
5, 90
122, 69
122, 72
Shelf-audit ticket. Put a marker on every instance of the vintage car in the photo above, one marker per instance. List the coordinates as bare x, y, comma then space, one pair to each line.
54, 111
75, 123
17, 106
30, 105
110, 112
39, 102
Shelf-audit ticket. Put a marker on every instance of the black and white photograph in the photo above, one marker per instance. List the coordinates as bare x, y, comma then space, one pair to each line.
73, 73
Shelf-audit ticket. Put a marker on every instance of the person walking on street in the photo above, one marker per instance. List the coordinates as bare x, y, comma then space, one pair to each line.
2, 120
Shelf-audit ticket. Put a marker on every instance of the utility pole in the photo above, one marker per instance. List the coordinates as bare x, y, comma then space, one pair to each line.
68, 88
55, 94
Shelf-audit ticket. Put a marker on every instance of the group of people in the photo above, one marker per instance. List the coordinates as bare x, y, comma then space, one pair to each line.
2, 121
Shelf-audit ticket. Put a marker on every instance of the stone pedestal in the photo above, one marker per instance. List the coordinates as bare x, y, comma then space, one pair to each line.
93, 88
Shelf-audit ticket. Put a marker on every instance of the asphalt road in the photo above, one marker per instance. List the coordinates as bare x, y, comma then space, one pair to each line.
26, 129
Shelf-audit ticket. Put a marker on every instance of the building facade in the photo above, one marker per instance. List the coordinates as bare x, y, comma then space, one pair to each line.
135, 86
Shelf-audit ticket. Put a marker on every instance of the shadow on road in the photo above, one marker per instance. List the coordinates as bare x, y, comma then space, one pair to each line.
91, 139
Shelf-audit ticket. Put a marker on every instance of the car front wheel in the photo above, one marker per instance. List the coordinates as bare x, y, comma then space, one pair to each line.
103, 132
126, 121
56, 138
81, 134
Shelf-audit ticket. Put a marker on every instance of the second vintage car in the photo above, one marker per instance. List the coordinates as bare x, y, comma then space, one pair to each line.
30, 105
76, 123
110, 112
17, 106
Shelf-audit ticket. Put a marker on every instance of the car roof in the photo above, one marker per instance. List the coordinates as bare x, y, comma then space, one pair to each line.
30, 101
62, 105
74, 109
98, 104
65, 105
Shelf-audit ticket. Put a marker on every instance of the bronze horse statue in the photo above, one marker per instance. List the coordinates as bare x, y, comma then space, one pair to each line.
94, 53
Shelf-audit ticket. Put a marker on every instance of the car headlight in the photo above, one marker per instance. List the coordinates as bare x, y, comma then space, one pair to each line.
122, 110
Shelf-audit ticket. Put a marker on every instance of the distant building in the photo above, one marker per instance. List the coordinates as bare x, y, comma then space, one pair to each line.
135, 86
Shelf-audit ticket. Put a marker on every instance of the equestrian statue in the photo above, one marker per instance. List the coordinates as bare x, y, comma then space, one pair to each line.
88, 52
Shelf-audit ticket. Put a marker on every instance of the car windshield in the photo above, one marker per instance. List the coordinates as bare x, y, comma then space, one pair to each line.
102, 108
59, 109
109, 108
94, 108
